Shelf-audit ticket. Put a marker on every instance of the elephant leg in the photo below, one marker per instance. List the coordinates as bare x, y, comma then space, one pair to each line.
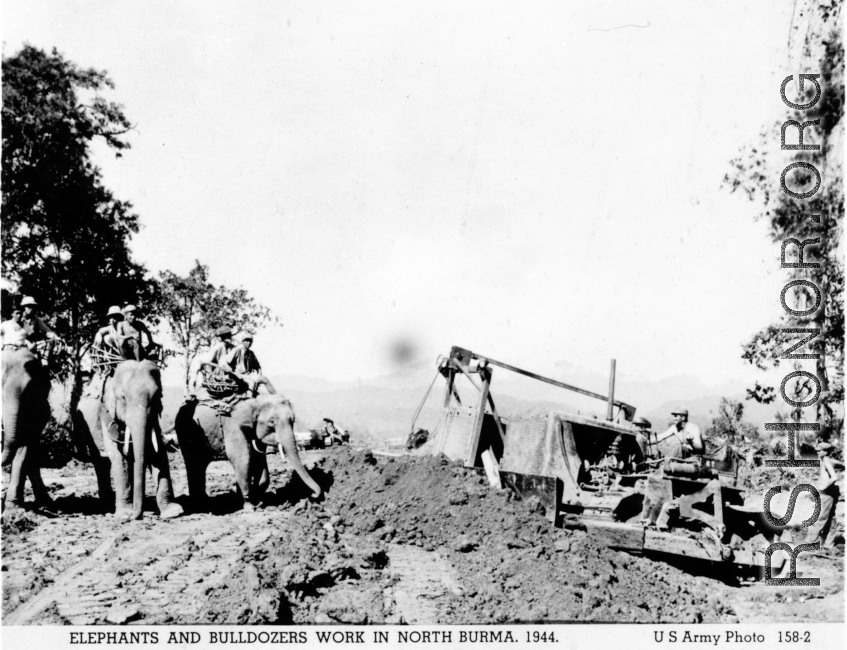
33, 471
15, 488
120, 469
39, 490
104, 483
195, 474
168, 507
121, 473
239, 453
260, 478
8, 456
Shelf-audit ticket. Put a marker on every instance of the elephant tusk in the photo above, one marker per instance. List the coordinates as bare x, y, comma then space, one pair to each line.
127, 438
281, 451
155, 442
256, 447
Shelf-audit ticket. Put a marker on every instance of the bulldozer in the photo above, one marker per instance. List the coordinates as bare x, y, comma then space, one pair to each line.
588, 473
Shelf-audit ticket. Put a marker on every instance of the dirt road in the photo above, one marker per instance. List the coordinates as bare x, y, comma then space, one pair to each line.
395, 540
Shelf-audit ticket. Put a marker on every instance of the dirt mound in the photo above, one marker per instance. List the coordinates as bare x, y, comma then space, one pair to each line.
297, 573
513, 566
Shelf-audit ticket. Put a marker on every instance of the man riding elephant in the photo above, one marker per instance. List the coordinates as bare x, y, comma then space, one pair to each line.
12, 331
26, 329
109, 337
106, 351
243, 362
135, 331
212, 365
36, 329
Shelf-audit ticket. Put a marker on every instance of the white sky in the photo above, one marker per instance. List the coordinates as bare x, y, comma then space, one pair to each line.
496, 176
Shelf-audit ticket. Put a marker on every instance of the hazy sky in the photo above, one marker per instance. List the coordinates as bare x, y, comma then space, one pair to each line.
506, 177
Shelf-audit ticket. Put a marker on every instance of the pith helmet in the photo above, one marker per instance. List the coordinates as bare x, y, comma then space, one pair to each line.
680, 412
114, 310
642, 422
246, 336
28, 301
223, 331
129, 308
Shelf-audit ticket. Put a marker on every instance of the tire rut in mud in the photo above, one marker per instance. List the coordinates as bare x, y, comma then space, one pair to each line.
422, 579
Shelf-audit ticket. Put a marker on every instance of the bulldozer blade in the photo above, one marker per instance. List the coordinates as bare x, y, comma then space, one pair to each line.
617, 535
546, 488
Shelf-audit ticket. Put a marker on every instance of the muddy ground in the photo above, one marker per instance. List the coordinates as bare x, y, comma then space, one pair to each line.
394, 540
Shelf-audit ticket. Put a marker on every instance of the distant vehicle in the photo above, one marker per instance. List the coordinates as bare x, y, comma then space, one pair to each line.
320, 438
312, 439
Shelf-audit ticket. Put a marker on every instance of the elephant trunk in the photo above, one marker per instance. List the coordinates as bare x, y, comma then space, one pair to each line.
136, 424
287, 443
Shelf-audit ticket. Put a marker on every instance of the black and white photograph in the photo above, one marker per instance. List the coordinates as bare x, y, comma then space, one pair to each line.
425, 323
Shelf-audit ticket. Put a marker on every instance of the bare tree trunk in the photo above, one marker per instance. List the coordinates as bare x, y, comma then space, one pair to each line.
823, 412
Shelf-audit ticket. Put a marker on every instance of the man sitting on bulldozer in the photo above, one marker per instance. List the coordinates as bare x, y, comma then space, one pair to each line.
333, 434
645, 438
682, 439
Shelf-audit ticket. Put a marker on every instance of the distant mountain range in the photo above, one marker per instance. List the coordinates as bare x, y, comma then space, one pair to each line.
382, 408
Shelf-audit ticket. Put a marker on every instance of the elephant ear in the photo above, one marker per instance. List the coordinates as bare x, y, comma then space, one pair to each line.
254, 409
110, 400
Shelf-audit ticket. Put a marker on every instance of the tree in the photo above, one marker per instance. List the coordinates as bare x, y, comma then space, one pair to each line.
65, 236
730, 425
756, 173
194, 308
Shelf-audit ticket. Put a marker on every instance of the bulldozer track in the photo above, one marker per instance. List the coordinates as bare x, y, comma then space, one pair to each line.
145, 576
90, 568
425, 578
29, 610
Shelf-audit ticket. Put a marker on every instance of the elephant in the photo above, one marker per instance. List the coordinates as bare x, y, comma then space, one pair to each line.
205, 435
26, 410
131, 407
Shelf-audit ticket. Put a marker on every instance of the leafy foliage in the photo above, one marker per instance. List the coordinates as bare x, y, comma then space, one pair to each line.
65, 236
756, 174
729, 425
194, 308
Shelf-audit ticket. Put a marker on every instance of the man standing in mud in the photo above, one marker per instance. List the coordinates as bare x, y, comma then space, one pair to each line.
823, 530
682, 439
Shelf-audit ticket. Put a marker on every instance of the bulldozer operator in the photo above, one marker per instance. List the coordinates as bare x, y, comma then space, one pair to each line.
644, 437
682, 439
